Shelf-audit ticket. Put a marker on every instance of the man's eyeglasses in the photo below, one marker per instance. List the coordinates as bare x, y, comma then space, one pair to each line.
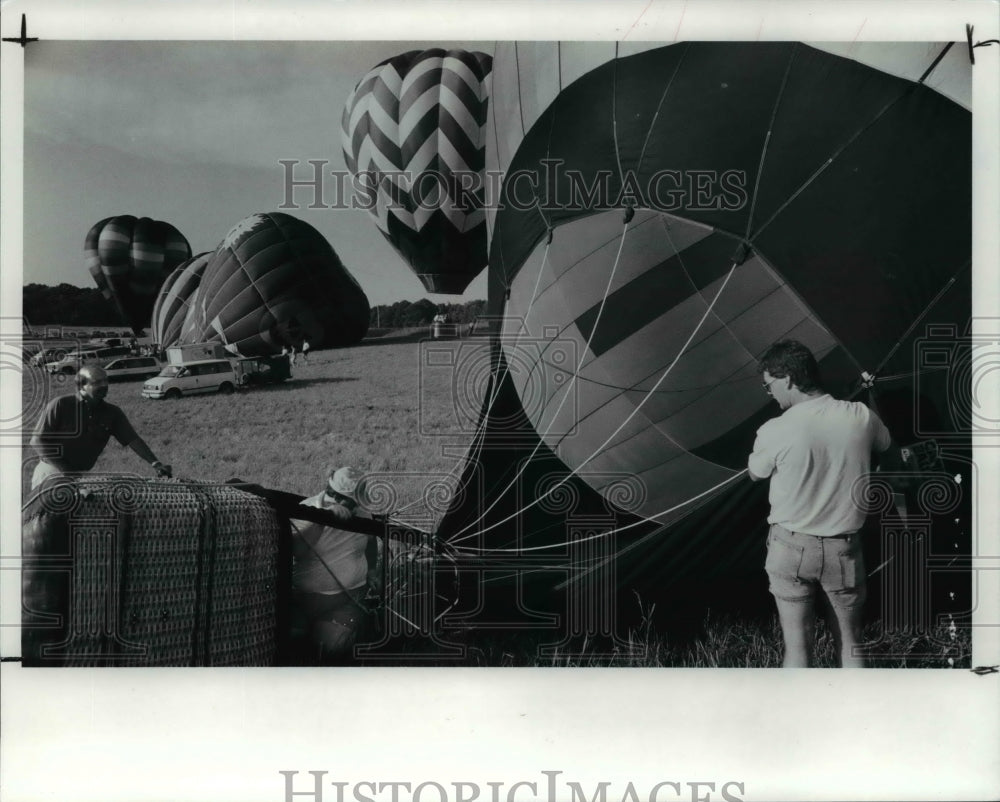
767, 385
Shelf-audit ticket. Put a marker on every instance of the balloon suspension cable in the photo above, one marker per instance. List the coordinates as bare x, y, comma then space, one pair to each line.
612, 530
568, 387
919, 318
708, 311
823, 167
659, 106
480, 433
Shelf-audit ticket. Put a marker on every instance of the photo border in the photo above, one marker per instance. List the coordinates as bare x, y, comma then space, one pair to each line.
157, 734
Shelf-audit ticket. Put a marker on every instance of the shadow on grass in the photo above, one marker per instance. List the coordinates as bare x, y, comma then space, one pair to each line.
298, 383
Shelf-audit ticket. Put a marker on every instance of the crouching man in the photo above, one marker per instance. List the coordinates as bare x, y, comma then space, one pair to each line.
330, 573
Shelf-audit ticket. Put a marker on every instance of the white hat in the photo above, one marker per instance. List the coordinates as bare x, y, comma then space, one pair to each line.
346, 481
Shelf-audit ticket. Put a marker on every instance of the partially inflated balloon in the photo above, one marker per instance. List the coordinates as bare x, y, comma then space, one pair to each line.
176, 297
275, 281
414, 133
129, 259
692, 204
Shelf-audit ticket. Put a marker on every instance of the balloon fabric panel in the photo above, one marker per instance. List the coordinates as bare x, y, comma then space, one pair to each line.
175, 299
130, 259
275, 281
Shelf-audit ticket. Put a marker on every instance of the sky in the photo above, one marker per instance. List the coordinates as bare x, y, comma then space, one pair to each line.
194, 133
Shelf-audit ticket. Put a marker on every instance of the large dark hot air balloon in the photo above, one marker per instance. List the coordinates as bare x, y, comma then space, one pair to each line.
275, 281
129, 259
176, 298
691, 204
414, 133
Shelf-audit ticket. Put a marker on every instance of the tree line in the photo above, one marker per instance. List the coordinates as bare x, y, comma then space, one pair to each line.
68, 305
406, 314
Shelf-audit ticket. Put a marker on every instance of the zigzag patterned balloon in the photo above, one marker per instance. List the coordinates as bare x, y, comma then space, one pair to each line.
414, 137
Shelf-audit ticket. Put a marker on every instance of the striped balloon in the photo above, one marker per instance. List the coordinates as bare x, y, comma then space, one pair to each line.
129, 259
414, 136
275, 281
690, 205
640, 316
176, 297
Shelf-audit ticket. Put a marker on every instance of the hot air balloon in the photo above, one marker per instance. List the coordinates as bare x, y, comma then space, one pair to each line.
176, 298
414, 134
129, 259
666, 214
275, 281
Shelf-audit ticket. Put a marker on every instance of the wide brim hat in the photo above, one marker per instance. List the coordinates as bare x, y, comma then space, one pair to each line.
347, 482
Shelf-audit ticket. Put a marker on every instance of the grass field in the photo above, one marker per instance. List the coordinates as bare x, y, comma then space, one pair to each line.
377, 406
364, 406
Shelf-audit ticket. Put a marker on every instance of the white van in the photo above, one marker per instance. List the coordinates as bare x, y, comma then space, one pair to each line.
204, 376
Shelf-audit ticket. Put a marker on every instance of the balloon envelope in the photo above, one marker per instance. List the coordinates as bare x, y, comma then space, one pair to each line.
275, 281
129, 259
176, 298
414, 133
708, 199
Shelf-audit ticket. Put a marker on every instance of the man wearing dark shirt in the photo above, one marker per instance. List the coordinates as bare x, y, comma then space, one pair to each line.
74, 429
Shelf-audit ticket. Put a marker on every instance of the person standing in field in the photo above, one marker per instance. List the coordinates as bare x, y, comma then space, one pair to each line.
330, 571
305, 352
817, 455
74, 429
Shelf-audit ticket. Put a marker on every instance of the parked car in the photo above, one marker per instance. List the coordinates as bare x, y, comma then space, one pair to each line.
50, 354
204, 376
72, 362
133, 367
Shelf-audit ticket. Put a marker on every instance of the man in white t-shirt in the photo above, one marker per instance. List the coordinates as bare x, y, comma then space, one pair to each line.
817, 455
331, 570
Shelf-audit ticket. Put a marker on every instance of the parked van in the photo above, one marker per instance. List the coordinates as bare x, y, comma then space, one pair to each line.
204, 376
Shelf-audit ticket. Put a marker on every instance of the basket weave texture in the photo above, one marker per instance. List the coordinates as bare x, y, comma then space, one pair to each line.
125, 571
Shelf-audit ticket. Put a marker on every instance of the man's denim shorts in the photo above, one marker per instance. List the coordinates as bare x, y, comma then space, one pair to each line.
798, 565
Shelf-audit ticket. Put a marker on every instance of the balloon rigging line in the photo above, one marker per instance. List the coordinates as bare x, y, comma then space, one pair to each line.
569, 385
767, 140
607, 533
823, 167
934, 64
600, 312
659, 106
656, 386
625, 422
455, 472
697, 289
919, 317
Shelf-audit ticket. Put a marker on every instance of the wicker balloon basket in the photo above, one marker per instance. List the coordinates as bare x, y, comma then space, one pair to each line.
122, 571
